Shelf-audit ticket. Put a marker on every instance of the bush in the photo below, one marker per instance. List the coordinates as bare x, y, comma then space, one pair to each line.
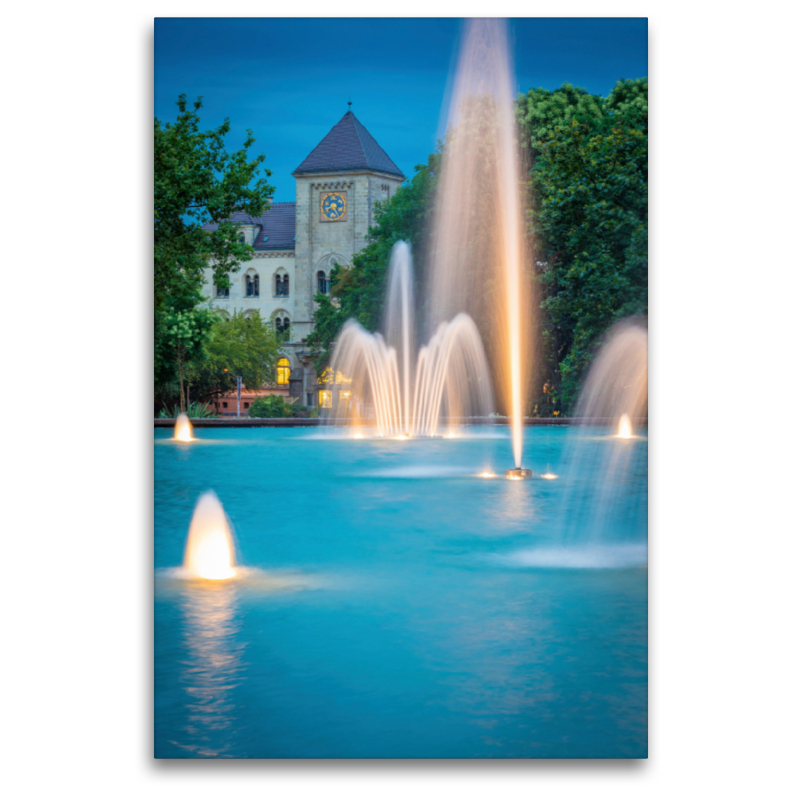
193, 411
270, 406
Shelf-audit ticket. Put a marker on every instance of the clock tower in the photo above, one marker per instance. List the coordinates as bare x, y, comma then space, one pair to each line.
337, 187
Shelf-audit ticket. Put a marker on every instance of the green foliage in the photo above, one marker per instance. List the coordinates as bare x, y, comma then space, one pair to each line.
243, 344
197, 181
542, 114
194, 410
358, 292
270, 406
590, 219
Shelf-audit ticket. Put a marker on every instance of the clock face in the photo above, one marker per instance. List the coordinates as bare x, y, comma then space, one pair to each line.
334, 206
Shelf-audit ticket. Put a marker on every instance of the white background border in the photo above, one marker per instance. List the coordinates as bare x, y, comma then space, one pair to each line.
76, 588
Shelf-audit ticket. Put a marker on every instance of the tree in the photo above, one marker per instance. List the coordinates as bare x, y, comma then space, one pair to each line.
243, 344
590, 219
185, 331
542, 114
197, 181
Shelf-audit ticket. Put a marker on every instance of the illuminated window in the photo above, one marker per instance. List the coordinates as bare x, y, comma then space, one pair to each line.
325, 398
284, 371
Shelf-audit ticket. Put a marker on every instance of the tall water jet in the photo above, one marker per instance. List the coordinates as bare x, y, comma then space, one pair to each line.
183, 429
408, 393
478, 243
209, 550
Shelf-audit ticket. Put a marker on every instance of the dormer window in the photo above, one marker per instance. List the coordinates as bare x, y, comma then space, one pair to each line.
265, 239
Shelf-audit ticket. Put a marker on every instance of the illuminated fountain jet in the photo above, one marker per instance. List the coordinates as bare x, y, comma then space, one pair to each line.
478, 236
410, 392
209, 547
625, 430
183, 429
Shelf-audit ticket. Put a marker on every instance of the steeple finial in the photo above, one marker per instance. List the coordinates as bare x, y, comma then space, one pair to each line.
349, 102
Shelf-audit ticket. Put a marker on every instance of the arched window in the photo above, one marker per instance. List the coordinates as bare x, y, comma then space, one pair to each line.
255, 285
281, 285
282, 326
323, 285
226, 292
284, 372
248, 286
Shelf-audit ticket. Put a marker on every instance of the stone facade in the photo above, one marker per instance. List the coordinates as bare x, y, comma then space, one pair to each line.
317, 244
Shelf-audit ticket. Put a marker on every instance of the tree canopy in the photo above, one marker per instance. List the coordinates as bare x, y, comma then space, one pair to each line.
589, 214
196, 181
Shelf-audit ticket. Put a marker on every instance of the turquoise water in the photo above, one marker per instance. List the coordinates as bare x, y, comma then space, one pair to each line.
400, 607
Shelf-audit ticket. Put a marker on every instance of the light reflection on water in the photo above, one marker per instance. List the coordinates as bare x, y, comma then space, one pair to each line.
213, 666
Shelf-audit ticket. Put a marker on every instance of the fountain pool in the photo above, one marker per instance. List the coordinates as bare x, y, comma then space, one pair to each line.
437, 610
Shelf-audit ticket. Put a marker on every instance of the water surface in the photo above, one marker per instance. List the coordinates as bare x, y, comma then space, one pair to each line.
405, 608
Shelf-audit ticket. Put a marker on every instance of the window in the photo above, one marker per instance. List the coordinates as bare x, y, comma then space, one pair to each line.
247, 405
224, 403
325, 398
251, 284
281, 285
226, 292
284, 372
323, 284
282, 326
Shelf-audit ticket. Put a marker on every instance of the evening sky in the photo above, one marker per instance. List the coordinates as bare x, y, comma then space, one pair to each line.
289, 80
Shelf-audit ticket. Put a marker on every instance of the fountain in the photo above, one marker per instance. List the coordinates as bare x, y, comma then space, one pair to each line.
613, 400
449, 374
616, 387
478, 241
183, 429
209, 547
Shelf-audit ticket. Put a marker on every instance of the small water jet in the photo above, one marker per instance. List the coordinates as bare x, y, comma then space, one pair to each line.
449, 376
209, 550
612, 399
183, 429
549, 476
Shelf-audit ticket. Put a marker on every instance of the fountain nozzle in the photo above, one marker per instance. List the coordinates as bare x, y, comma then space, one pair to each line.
518, 474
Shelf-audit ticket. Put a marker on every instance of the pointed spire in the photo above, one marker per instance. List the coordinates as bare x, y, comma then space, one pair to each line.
348, 146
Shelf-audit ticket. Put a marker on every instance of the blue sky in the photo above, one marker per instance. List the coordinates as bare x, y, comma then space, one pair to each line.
289, 79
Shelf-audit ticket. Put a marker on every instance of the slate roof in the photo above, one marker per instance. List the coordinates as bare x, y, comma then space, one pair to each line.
348, 146
277, 225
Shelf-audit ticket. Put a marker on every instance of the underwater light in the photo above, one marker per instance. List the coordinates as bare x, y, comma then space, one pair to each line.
183, 429
209, 547
625, 430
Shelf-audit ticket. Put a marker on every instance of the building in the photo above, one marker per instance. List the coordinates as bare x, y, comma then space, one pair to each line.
297, 244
